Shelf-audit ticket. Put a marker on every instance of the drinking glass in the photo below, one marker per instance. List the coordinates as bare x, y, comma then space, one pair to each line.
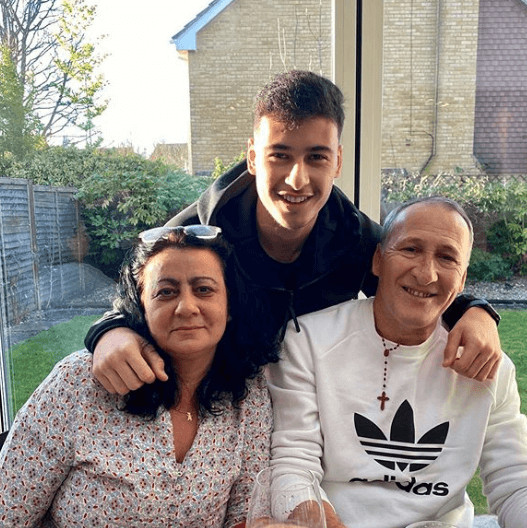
430, 524
283, 500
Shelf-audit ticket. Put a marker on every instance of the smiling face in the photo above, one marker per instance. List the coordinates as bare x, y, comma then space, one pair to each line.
294, 170
185, 302
421, 269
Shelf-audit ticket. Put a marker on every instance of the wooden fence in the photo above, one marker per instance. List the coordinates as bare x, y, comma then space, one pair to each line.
41, 245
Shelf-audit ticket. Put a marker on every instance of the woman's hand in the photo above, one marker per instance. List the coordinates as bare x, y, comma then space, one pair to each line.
124, 361
477, 333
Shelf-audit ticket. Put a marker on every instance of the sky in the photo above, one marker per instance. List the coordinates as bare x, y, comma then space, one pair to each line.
147, 81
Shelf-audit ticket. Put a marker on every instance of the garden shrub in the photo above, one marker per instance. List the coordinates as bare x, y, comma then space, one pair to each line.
464, 188
488, 267
220, 167
181, 189
120, 193
117, 206
68, 166
508, 236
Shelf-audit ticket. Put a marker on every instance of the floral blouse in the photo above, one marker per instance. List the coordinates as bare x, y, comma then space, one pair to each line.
72, 459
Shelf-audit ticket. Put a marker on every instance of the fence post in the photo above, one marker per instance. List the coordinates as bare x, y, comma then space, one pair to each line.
5, 412
80, 231
33, 239
5, 401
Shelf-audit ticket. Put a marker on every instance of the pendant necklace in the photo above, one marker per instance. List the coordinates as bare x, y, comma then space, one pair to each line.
192, 399
187, 413
383, 398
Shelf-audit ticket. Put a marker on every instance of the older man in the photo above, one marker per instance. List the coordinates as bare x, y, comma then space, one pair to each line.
360, 399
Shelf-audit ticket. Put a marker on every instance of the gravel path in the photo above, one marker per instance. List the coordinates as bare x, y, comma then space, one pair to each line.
506, 294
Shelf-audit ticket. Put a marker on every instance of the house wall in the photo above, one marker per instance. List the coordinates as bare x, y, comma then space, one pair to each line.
239, 51
500, 141
429, 72
436, 117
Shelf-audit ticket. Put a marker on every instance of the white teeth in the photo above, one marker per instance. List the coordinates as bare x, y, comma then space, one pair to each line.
294, 199
416, 293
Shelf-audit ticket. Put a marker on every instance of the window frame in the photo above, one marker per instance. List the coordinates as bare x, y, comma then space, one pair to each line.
357, 69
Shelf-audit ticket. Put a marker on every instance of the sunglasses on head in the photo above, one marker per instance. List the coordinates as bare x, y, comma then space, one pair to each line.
203, 232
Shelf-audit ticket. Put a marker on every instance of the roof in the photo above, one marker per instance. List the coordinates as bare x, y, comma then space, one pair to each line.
186, 38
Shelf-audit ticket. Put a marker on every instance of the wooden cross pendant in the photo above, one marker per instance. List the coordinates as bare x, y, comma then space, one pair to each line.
383, 398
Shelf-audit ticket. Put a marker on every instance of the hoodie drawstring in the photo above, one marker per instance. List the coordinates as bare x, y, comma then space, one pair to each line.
290, 314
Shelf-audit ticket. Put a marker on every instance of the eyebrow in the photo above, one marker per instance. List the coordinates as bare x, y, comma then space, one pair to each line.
417, 240
193, 280
283, 146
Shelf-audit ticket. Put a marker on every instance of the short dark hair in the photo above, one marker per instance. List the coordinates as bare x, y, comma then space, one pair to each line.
297, 95
391, 220
236, 359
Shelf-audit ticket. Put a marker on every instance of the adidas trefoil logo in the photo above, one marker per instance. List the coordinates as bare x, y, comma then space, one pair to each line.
401, 449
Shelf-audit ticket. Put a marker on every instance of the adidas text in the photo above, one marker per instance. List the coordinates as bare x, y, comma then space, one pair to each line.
440, 489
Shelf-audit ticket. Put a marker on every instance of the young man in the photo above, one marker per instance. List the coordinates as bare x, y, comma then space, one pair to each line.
359, 397
299, 244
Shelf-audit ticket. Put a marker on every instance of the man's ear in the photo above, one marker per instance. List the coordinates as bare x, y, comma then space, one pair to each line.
251, 156
376, 262
463, 279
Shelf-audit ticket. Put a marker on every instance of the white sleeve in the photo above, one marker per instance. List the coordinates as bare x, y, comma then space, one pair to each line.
504, 457
297, 440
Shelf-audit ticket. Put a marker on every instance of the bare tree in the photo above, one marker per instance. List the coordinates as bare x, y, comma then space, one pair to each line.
55, 62
291, 35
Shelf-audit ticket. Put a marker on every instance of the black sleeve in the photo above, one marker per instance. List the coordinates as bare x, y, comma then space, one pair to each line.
461, 304
371, 235
186, 217
107, 322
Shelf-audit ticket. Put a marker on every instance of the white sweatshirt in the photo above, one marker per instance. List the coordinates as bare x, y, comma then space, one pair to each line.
413, 460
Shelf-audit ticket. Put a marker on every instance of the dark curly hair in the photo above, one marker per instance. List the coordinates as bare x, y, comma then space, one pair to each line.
297, 95
238, 356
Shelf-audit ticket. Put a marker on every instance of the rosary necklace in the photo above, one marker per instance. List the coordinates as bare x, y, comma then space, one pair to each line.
383, 398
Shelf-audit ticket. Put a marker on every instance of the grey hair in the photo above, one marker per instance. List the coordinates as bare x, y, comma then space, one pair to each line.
393, 217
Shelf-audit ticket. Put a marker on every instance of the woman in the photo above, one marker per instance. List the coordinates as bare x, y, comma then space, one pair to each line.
179, 453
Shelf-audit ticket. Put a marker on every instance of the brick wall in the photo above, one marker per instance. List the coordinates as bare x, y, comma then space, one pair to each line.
430, 52
238, 52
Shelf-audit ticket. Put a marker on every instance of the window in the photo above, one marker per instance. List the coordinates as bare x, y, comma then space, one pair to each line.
453, 100
357, 66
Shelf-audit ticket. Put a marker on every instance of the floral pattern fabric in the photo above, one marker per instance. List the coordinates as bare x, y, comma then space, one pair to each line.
73, 459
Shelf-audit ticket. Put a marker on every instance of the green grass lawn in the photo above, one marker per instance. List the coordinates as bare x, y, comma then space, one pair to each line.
513, 341
34, 358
